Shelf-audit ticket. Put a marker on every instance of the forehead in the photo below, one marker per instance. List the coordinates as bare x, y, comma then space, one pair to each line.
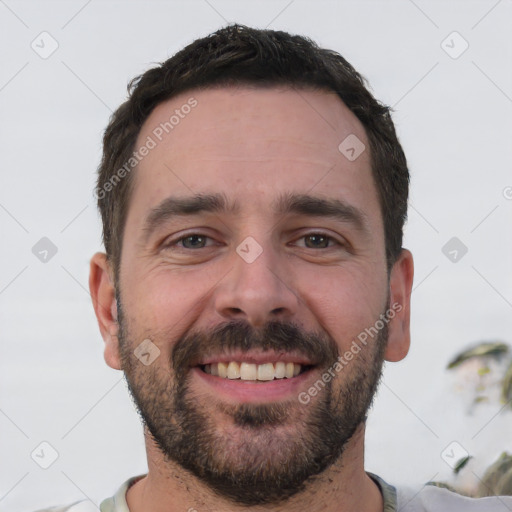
240, 121
253, 144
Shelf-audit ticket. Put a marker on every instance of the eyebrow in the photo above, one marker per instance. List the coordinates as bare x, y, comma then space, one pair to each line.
299, 204
313, 206
187, 206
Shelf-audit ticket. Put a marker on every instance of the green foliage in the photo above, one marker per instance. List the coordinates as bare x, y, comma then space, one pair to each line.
461, 463
486, 348
497, 479
506, 395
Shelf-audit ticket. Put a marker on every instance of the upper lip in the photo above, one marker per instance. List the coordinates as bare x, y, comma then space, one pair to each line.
256, 357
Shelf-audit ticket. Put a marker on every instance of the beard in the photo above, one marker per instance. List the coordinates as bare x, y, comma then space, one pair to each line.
249, 453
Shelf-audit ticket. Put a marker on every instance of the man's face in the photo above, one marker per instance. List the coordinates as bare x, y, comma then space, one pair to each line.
275, 280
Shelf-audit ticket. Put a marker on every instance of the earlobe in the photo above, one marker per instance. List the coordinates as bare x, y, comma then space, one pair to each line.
103, 295
400, 287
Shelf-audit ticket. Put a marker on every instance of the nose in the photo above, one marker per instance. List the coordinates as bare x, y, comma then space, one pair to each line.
259, 290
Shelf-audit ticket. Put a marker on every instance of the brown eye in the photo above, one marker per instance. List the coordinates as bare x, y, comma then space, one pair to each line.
191, 241
195, 241
318, 241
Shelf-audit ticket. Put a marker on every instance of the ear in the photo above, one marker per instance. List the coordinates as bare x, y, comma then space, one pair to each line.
400, 287
103, 293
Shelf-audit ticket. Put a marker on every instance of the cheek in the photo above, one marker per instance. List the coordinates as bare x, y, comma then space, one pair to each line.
165, 301
345, 303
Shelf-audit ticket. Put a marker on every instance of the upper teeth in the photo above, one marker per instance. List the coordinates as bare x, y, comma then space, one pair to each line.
250, 371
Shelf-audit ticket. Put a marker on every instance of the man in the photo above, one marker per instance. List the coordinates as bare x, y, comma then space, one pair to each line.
253, 195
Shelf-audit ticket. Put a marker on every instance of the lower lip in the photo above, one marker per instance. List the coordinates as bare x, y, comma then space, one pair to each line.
250, 391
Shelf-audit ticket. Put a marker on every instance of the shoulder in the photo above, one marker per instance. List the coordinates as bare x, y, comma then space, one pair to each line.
435, 499
116, 503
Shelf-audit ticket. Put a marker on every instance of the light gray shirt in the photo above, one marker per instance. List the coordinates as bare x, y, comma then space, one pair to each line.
427, 499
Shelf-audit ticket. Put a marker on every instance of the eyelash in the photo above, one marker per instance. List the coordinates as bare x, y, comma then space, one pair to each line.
171, 244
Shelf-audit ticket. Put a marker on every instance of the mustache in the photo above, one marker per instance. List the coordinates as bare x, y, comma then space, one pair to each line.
240, 336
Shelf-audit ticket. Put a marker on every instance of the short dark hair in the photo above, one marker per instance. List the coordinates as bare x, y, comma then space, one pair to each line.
238, 55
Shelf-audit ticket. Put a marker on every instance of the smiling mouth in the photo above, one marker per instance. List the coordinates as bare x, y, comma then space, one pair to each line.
234, 370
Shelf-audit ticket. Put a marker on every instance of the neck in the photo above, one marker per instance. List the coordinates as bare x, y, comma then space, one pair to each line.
343, 487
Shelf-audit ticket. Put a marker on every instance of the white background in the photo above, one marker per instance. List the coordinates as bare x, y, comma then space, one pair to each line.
454, 118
